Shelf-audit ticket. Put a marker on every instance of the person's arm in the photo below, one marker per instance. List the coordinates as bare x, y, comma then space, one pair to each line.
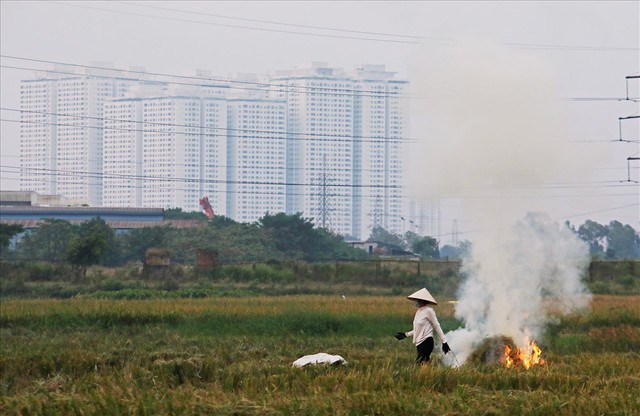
431, 316
403, 335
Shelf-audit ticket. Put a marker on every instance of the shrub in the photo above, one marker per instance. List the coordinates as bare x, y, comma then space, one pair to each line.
41, 272
13, 287
111, 284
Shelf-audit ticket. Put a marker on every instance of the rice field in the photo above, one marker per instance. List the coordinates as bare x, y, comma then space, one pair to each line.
232, 356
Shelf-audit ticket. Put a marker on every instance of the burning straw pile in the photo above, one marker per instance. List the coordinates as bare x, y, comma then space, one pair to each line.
511, 283
502, 350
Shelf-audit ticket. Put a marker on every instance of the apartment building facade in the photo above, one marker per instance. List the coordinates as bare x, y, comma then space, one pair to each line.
315, 139
61, 135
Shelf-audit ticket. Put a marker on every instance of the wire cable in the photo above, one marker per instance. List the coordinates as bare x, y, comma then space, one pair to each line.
284, 135
244, 85
98, 175
416, 40
81, 173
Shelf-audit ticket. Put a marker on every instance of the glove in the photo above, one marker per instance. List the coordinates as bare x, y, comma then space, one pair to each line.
400, 335
445, 348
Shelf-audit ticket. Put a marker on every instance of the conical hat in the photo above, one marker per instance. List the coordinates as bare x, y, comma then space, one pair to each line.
422, 294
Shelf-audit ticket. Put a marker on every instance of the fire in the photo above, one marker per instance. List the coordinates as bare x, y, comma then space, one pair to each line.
526, 357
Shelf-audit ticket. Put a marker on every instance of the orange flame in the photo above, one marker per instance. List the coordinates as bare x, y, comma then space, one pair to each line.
526, 357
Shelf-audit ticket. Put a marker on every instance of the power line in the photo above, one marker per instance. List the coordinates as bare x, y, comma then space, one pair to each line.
157, 187
417, 39
556, 219
602, 210
173, 164
263, 85
83, 174
200, 165
290, 32
99, 175
245, 85
272, 22
136, 130
323, 137
286, 135
285, 88
208, 165
635, 99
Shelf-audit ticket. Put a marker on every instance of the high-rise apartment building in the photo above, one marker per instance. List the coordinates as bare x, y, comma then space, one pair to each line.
345, 134
122, 153
381, 125
62, 122
163, 149
320, 149
257, 158
80, 105
214, 162
315, 139
38, 136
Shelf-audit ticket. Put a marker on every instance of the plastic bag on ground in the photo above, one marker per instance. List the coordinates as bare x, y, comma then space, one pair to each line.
319, 358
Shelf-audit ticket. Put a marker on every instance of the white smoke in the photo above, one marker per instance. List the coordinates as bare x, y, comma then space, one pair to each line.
496, 140
515, 279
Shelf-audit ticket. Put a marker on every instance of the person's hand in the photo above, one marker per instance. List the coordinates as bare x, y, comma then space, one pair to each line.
400, 335
445, 348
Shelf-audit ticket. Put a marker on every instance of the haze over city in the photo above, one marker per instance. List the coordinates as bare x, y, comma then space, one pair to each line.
515, 106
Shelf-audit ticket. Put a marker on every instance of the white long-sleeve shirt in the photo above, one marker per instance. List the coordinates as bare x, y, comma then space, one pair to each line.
423, 324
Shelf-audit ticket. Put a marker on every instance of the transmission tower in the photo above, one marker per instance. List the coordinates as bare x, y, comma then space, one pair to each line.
377, 212
433, 217
324, 219
454, 234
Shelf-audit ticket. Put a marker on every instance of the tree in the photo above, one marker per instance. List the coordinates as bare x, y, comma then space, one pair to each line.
221, 221
426, 247
136, 242
49, 241
595, 235
179, 214
7, 232
293, 234
452, 252
296, 237
384, 236
622, 241
610, 241
91, 246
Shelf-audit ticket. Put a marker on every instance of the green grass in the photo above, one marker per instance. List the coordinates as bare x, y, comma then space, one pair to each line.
232, 356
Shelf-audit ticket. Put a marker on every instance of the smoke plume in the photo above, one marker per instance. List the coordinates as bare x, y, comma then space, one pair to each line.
495, 142
515, 278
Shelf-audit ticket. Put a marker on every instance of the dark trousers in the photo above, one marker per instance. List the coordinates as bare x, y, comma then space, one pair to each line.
425, 348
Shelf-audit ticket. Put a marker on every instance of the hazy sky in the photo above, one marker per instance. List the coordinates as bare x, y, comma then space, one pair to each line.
568, 50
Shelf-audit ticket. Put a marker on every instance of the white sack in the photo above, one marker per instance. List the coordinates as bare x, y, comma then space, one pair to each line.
319, 358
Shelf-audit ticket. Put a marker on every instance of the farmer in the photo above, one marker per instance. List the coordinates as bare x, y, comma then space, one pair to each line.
423, 324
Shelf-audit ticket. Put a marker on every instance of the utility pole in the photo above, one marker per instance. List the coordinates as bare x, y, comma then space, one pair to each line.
620, 119
620, 126
627, 78
629, 159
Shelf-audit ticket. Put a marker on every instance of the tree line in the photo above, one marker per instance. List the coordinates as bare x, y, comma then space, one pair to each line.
274, 237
